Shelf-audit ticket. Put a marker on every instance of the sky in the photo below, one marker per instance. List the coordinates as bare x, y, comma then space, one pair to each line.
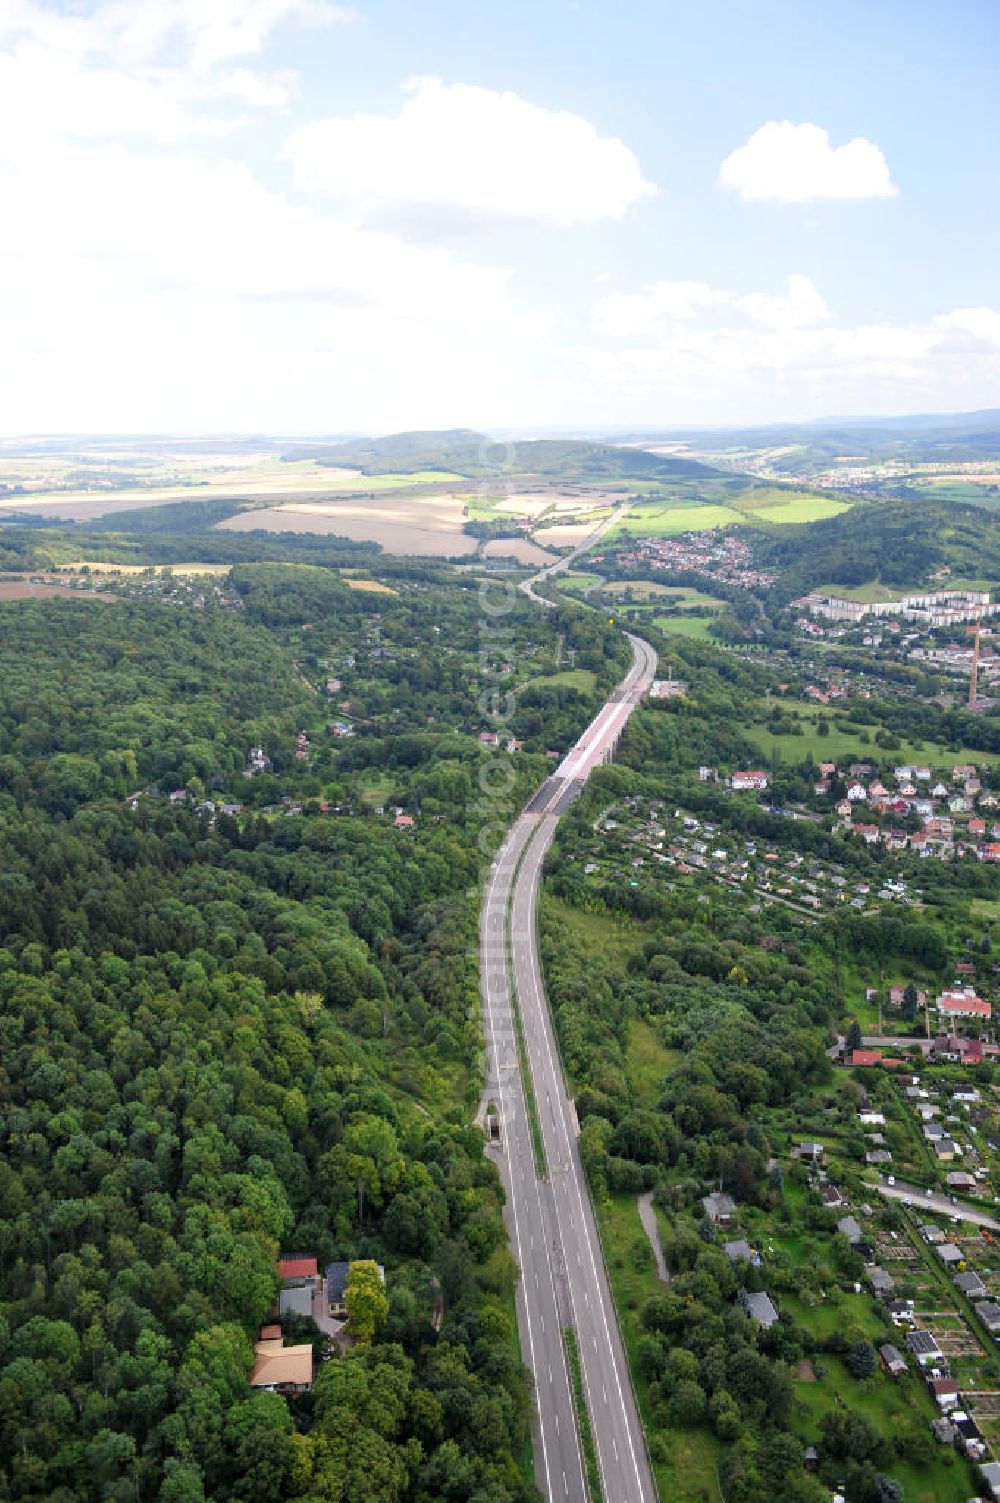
298, 216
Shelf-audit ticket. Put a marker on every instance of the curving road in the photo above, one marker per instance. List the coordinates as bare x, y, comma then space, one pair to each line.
549, 1218
562, 564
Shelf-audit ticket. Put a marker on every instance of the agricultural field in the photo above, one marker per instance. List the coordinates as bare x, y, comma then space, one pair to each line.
521, 549
421, 525
24, 589
666, 519
643, 589
799, 509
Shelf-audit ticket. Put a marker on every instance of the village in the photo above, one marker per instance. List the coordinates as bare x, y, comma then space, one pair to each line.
723, 558
902, 1288
914, 815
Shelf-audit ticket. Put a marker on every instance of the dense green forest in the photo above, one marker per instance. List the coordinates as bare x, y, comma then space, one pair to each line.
898, 542
228, 1034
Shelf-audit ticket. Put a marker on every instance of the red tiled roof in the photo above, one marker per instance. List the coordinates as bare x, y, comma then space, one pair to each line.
297, 1268
866, 1057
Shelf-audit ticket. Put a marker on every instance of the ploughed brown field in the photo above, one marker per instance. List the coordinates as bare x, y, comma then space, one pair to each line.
428, 525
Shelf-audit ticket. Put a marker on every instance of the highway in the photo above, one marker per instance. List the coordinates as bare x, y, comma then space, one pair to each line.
549, 1218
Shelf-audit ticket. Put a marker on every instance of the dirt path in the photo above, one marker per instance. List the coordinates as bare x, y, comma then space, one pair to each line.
649, 1225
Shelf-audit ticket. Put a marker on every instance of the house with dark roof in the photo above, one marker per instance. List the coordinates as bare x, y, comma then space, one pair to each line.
740, 1251
883, 1284
970, 1284
336, 1288
720, 1208
989, 1314
924, 1347
892, 1360
760, 1308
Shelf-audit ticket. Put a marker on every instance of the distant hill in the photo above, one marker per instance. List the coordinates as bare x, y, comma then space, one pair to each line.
466, 452
921, 438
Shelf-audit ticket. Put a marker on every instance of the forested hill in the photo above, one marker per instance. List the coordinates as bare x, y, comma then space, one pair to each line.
230, 1032
474, 454
900, 543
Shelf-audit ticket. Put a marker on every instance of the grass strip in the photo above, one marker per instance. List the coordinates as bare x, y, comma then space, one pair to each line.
583, 1417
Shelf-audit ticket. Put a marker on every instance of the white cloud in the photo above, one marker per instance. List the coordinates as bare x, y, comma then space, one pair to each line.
136, 32
800, 307
458, 156
654, 311
787, 163
148, 278
689, 351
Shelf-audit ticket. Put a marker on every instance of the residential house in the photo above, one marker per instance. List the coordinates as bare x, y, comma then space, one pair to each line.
943, 1431
962, 1002
720, 1208
990, 1473
403, 822
297, 1299
989, 1314
897, 995
336, 1289
811, 1152
866, 1058
970, 1284
944, 1391
295, 1269
924, 1347
740, 1251
848, 1227
831, 1196
883, 1284
949, 1254
892, 1360
760, 1308
754, 780
278, 1368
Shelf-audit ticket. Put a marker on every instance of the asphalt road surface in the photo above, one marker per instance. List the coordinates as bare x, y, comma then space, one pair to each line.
550, 1220
912, 1195
568, 559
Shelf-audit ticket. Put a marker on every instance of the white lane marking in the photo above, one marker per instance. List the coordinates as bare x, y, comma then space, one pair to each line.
534, 854
619, 712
